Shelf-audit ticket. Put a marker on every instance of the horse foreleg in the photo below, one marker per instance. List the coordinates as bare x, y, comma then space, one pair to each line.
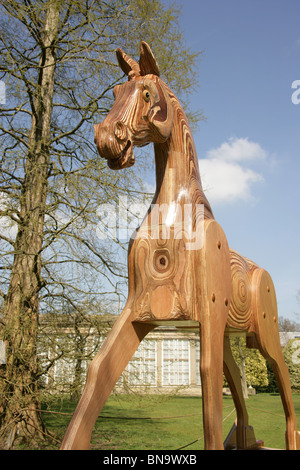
214, 288
104, 371
211, 369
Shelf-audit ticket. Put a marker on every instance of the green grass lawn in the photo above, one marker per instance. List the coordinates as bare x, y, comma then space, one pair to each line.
131, 422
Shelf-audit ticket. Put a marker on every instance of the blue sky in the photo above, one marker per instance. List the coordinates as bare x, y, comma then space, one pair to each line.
248, 146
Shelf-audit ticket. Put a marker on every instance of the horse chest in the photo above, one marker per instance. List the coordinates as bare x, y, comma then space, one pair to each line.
163, 277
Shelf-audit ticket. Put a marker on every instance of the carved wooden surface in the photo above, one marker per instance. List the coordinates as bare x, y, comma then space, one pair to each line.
180, 267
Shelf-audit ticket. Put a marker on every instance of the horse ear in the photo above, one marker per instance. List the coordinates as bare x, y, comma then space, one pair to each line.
127, 64
147, 62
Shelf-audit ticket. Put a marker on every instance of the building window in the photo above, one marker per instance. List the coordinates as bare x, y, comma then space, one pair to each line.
64, 371
198, 376
142, 368
175, 364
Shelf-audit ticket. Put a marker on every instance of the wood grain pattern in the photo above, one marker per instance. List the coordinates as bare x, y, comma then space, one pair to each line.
240, 312
180, 267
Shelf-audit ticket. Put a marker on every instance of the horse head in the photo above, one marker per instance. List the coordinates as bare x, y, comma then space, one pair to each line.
142, 111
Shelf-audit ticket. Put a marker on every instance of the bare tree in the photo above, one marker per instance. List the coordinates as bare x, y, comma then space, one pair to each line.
57, 61
285, 325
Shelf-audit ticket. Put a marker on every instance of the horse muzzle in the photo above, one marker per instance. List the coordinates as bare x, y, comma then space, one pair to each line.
114, 144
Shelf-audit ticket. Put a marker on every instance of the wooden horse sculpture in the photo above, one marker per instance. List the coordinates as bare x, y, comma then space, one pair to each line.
180, 267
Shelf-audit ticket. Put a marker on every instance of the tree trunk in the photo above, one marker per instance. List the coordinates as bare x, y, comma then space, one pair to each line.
19, 406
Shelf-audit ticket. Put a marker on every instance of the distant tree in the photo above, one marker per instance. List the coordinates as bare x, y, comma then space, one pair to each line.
58, 63
291, 354
286, 325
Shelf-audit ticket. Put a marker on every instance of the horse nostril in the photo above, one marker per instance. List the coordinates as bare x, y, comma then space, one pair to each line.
120, 130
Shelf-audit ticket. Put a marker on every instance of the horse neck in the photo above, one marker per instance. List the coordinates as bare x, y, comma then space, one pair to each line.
177, 172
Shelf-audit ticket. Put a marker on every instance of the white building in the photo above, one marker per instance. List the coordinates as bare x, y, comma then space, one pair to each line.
167, 360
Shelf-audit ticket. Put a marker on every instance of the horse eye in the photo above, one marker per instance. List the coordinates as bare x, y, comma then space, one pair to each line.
146, 96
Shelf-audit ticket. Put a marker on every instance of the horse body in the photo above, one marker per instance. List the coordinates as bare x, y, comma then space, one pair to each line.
180, 267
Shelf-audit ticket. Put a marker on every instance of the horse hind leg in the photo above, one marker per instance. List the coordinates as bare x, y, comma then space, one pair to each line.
244, 437
268, 342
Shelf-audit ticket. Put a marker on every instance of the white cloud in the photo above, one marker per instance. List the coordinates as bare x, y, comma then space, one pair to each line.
225, 177
238, 150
